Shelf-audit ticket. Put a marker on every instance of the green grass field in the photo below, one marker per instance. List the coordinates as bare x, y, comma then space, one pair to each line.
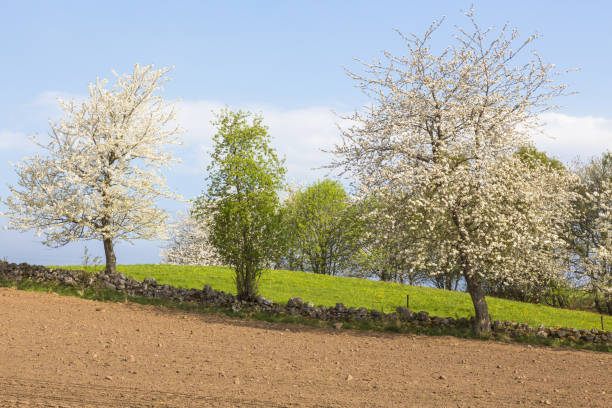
328, 290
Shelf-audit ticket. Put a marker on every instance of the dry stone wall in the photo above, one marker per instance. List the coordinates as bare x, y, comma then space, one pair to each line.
295, 306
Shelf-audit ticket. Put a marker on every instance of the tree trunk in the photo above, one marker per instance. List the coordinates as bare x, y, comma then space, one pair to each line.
598, 306
246, 280
482, 320
449, 282
109, 253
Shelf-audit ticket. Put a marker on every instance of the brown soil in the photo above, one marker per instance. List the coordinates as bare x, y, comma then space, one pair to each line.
67, 352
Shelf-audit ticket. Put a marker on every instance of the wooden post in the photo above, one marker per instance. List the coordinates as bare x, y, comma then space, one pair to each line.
602, 325
408, 302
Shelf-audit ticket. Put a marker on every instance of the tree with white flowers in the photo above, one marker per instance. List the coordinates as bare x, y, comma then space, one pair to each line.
102, 172
598, 266
189, 243
437, 145
591, 230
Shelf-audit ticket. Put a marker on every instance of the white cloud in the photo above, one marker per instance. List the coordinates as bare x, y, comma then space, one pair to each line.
45, 107
36, 114
570, 137
299, 135
14, 140
48, 99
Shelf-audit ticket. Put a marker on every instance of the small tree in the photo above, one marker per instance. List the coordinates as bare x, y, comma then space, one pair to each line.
244, 175
88, 262
102, 175
323, 227
437, 144
189, 243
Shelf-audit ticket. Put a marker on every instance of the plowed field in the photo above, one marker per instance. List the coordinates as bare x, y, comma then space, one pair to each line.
67, 352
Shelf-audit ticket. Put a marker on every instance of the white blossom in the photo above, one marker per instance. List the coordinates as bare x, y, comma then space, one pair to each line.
438, 144
189, 243
597, 265
102, 172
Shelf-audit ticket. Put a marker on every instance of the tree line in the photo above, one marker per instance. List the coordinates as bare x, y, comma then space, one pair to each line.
445, 183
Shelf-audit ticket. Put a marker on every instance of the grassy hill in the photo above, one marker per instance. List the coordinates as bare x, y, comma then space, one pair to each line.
328, 290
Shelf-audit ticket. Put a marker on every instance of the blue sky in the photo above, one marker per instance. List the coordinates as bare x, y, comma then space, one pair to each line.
283, 59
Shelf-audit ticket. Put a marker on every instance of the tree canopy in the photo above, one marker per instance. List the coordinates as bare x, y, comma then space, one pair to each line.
323, 227
244, 178
437, 144
101, 175
189, 243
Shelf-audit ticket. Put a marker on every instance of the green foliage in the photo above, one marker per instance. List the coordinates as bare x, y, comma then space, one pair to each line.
244, 175
87, 261
531, 155
88, 270
326, 290
553, 292
322, 228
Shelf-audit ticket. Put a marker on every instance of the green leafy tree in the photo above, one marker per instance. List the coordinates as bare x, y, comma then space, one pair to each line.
530, 155
244, 175
323, 228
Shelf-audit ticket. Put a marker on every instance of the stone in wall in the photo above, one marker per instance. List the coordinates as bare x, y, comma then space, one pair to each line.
149, 287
